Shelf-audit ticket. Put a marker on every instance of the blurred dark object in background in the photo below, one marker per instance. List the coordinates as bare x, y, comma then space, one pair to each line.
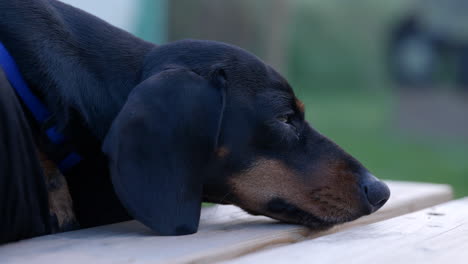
430, 45
428, 58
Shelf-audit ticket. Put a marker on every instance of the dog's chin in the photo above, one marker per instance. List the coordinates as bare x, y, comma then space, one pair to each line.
286, 212
307, 220
318, 224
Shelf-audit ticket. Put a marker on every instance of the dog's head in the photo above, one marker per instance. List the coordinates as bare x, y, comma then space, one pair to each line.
212, 122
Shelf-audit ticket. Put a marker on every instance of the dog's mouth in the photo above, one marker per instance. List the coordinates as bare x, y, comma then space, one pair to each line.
290, 213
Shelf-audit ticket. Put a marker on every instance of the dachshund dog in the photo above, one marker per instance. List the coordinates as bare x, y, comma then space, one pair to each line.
159, 129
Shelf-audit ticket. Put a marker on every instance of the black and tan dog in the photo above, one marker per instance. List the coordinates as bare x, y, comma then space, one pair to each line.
160, 129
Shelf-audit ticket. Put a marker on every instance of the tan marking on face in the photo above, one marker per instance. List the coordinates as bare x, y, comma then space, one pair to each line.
331, 194
222, 152
300, 105
60, 201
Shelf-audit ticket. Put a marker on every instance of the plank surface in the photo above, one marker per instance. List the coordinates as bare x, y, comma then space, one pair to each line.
225, 232
437, 235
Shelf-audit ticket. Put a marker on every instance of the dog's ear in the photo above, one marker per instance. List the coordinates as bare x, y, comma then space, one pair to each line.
159, 147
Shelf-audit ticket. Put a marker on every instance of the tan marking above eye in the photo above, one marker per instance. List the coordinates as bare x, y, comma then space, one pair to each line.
300, 105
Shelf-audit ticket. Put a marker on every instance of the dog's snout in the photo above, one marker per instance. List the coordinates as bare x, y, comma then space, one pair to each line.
375, 191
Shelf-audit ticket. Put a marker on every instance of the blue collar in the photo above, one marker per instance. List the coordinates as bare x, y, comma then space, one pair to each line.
35, 106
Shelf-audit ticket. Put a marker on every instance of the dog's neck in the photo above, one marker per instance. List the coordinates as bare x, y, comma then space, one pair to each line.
64, 55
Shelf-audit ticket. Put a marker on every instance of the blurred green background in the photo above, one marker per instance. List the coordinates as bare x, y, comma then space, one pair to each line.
334, 53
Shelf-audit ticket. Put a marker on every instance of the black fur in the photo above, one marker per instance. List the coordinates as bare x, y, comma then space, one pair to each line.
161, 114
23, 197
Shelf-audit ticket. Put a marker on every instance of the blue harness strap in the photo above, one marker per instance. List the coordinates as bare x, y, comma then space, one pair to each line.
35, 106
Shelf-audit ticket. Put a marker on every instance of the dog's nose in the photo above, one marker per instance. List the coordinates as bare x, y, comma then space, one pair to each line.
376, 192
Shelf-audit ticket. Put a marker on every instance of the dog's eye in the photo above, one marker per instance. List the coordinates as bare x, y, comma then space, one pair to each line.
287, 119
284, 118
285, 125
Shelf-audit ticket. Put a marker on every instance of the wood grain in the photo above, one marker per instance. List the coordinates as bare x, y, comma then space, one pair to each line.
225, 232
435, 235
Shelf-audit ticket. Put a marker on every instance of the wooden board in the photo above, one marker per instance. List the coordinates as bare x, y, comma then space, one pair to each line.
435, 235
225, 232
